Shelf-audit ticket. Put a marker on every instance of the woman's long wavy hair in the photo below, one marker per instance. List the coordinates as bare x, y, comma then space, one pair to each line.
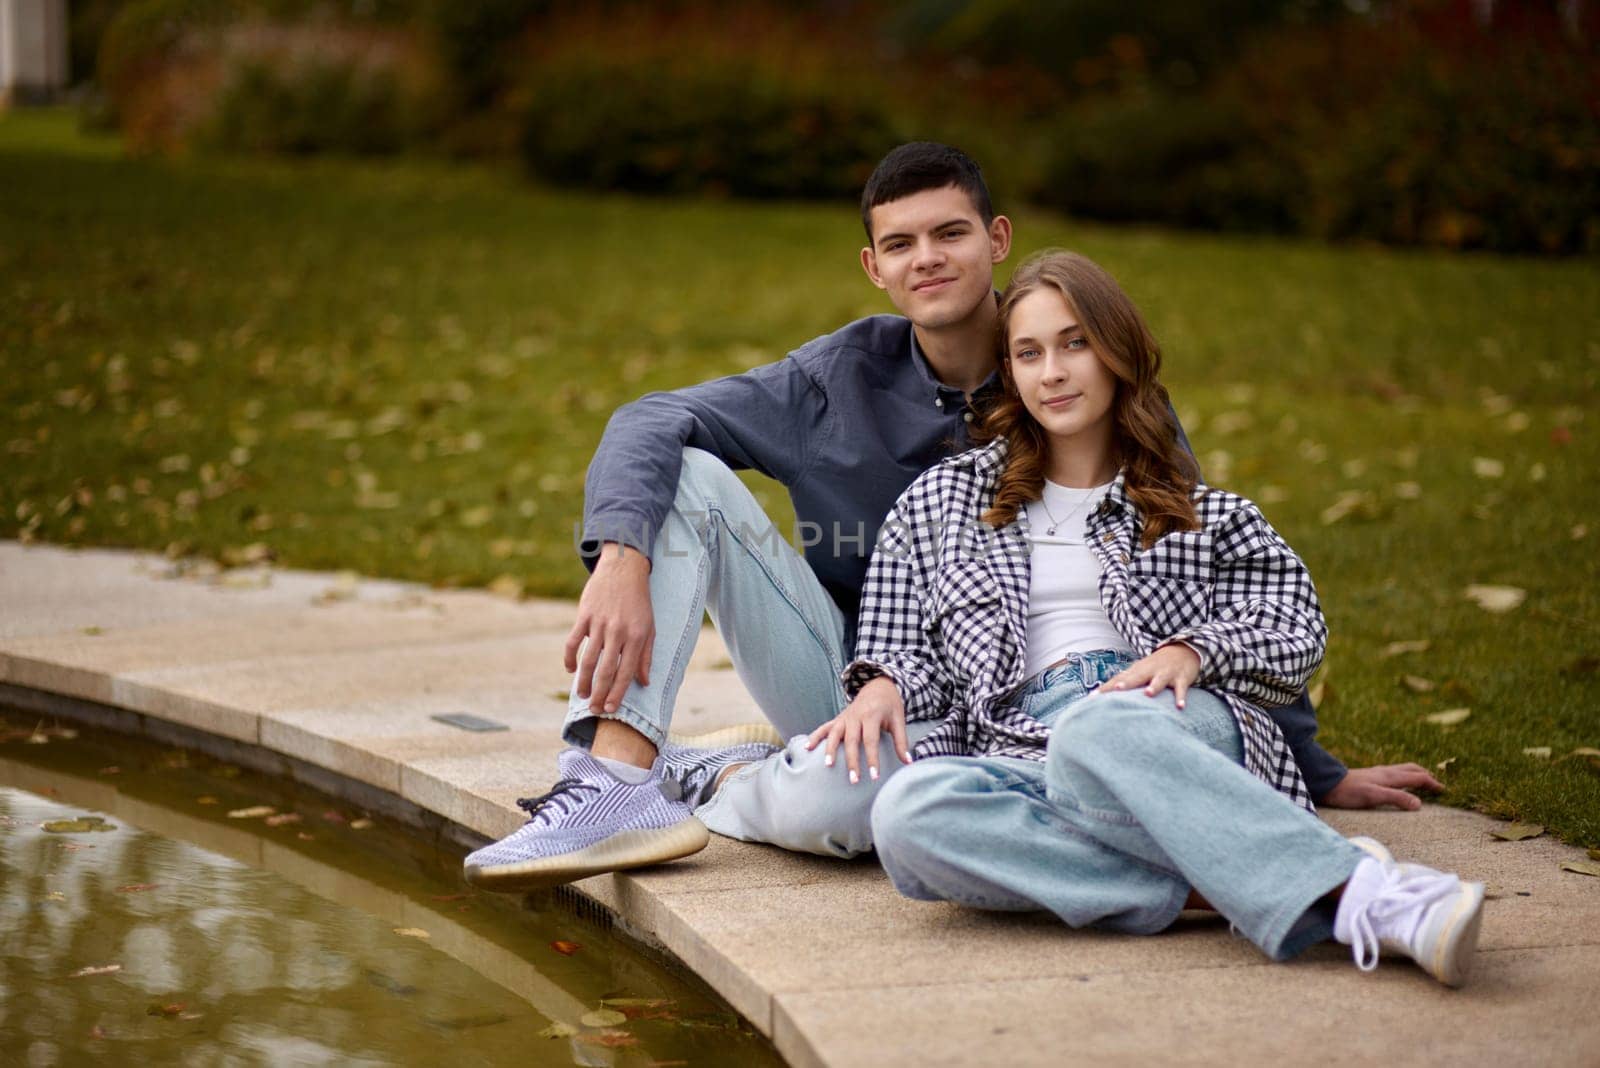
1160, 473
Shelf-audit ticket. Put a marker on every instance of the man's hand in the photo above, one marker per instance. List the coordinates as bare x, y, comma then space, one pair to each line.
614, 614
1385, 784
1175, 665
877, 706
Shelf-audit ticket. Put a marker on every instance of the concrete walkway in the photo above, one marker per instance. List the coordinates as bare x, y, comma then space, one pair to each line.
823, 956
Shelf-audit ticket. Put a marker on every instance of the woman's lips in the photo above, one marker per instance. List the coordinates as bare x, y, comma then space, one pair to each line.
1062, 402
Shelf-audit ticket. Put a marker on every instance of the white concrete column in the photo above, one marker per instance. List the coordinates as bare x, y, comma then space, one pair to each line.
33, 50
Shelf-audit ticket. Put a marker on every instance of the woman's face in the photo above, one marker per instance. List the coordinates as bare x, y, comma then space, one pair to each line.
1064, 385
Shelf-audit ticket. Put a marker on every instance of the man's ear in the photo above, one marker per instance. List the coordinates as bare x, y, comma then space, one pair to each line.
869, 263
999, 238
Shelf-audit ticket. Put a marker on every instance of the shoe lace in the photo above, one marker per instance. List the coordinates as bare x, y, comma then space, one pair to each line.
560, 798
1401, 893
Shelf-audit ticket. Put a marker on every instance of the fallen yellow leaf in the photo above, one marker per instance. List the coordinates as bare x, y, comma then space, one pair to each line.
1495, 598
1419, 645
1516, 832
1540, 751
602, 1018
1416, 683
412, 932
1449, 717
254, 812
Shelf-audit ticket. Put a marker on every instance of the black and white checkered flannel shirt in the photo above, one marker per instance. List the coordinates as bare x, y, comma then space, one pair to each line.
944, 612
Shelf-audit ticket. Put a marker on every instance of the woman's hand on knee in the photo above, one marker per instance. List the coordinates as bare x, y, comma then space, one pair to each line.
1173, 667
876, 709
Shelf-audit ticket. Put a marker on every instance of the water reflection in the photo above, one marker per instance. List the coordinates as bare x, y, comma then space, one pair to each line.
239, 943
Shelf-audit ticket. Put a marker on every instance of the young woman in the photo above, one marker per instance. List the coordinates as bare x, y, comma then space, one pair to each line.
1100, 633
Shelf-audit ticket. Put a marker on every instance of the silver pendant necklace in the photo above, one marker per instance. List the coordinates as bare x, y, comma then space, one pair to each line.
1050, 531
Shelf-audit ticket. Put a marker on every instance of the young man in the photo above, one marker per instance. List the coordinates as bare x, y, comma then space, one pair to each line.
844, 423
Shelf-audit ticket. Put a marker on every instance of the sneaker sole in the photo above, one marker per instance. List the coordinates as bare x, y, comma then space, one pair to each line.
1458, 938
621, 851
724, 737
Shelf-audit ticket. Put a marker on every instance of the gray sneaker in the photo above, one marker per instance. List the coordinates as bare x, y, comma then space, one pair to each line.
588, 823
697, 768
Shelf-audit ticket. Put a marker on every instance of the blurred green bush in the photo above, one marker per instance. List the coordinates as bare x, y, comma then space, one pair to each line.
266, 76
665, 127
1397, 132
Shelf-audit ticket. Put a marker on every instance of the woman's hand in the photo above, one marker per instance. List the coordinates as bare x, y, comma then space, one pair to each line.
1175, 666
877, 706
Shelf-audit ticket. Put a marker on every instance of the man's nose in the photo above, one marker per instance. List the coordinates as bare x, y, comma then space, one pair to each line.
929, 254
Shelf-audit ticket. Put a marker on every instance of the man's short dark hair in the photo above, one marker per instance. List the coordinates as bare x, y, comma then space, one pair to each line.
921, 165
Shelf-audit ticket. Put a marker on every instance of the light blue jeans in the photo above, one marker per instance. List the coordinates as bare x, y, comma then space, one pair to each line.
719, 552
1135, 804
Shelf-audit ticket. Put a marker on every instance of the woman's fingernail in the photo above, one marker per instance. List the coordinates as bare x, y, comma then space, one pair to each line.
829, 762
873, 772
854, 778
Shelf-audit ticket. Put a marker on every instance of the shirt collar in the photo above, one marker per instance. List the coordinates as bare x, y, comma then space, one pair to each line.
940, 389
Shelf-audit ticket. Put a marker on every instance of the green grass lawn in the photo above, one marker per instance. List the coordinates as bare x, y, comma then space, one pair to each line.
403, 369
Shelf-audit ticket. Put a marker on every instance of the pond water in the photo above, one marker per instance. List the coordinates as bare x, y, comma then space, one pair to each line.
158, 906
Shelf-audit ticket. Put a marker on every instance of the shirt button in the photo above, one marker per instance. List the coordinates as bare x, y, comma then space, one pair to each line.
1109, 538
938, 402
967, 415
1123, 558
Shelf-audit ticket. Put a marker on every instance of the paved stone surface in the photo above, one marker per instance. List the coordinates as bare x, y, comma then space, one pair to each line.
821, 955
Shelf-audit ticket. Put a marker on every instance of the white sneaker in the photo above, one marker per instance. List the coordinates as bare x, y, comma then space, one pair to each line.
1429, 916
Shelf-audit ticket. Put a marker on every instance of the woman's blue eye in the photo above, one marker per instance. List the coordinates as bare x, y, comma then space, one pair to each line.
1078, 343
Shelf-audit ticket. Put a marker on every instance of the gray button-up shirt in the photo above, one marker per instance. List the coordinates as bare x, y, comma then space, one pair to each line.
844, 423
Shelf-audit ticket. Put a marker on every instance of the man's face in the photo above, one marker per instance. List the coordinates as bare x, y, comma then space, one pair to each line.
933, 255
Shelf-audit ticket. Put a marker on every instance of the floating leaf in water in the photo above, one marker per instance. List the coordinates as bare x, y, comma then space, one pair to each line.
1417, 645
254, 812
168, 1010
1540, 751
1416, 683
393, 986
603, 1018
95, 969
1582, 867
558, 1030
1449, 717
361, 824
1495, 598
206, 799
136, 888
281, 818
412, 932
638, 1003
81, 825
566, 949
609, 1039
1516, 832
